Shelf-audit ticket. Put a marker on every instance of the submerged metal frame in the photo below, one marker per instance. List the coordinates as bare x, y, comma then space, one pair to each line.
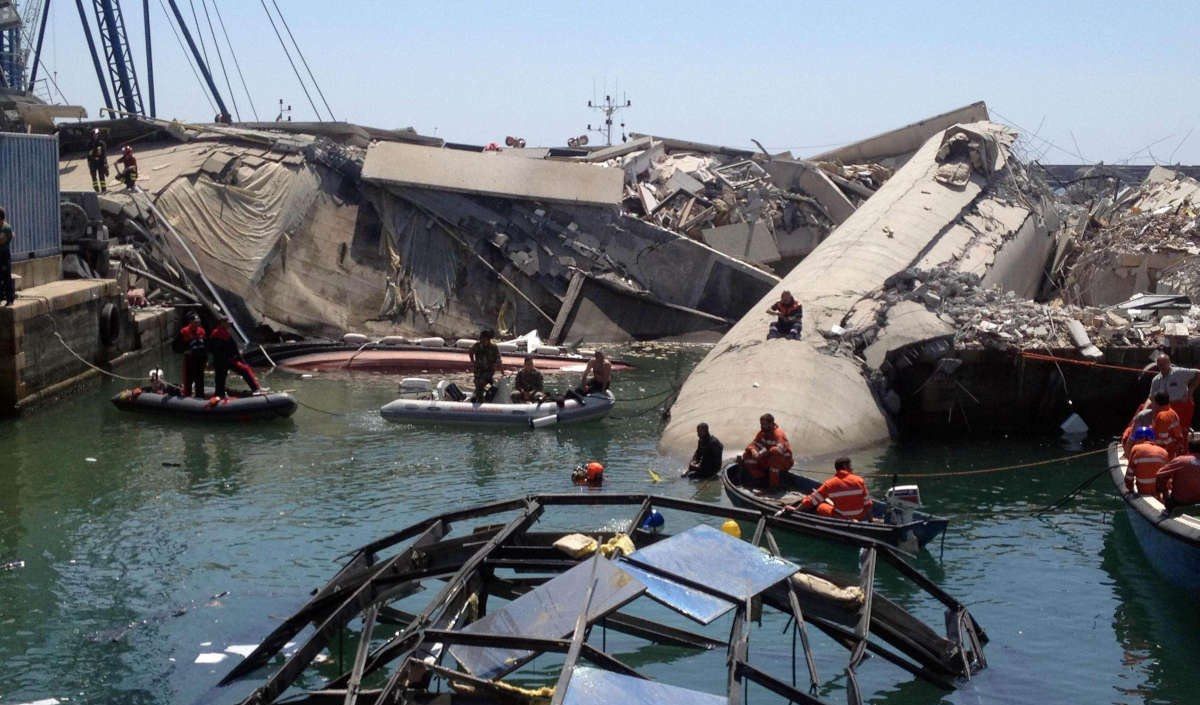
365, 585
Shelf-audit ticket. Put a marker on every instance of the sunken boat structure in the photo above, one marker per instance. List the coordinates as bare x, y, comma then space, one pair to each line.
495, 604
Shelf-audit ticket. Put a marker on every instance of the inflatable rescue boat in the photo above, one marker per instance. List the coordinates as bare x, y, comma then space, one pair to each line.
435, 405
250, 407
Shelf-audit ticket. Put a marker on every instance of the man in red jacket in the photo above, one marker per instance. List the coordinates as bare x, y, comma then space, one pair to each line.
226, 356
195, 356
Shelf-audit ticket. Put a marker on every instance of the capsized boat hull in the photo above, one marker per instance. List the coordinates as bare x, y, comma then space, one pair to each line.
909, 536
464, 413
260, 407
400, 359
1171, 543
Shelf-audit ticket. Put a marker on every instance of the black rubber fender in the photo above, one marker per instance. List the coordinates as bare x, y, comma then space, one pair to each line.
110, 323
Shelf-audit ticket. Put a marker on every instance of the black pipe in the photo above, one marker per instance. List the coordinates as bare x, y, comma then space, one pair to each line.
149, 55
200, 61
37, 51
87, 33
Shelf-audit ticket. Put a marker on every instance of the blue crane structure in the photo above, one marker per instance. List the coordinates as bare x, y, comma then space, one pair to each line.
121, 74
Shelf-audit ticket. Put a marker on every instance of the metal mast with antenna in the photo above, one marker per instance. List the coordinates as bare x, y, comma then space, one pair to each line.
608, 107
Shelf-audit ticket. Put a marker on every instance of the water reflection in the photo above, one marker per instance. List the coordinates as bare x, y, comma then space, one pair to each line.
1156, 624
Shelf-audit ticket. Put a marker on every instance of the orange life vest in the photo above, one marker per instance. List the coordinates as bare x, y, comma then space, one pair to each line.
1169, 432
775, 449
1145, 460
848, 494
1180, 480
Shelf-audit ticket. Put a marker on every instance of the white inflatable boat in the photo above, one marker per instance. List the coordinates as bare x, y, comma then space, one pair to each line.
428, 404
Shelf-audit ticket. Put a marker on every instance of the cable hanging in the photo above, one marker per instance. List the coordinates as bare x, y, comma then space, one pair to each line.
187, 55
305, 62
286, 53
237, 65
220, 58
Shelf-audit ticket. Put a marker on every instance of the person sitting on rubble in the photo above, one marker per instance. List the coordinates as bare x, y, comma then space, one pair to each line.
706, 461
843, 496
126, 166
790, 318
486, 366
527, 387
1146, 458
767, 457
1180, 384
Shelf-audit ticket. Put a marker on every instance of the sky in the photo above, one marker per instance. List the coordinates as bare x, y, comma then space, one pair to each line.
1083, 81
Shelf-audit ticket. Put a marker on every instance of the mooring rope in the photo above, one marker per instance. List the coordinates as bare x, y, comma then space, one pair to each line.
1086, 363
984, 471
48, 313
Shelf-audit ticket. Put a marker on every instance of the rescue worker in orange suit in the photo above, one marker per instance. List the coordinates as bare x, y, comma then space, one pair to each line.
843, 496
127, 175
790, 317
1146, 458
1144, 417
225, 355
97, 160
1179, 482
195, 356
768, 456
1180, 384
1167, 429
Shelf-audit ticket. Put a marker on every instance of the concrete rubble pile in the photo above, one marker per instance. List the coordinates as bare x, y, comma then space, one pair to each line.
988, 317
922, 261
1145, 240
768, 210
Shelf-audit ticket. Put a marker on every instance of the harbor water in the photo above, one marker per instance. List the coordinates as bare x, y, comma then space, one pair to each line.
131, 546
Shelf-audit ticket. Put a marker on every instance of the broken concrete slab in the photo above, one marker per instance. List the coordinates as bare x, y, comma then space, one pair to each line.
907, 322
748, 241
398, 164
896, 145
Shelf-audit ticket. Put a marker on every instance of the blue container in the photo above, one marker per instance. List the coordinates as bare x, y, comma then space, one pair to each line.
29, 193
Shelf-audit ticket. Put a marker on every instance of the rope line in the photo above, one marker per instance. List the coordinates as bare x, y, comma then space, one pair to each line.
321, 411
1086, 363
288, 54
237, 65
305, 62
984, 471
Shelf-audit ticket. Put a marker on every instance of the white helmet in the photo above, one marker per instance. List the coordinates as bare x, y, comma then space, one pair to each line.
156, 375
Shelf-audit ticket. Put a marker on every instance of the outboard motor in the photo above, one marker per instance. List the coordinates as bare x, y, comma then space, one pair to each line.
902, 501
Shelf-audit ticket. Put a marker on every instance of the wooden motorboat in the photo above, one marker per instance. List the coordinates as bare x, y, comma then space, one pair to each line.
1169, 538
237, 407
896, 521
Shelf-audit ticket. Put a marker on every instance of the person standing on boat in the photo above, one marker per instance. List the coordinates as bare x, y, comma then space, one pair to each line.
195, 356
843, 496
768, 456
1180, 384
706, 461
486, 366
600, 370
8, 292
527, 387
790, 318
1146, 458
97, 161
1167, 428
226, 356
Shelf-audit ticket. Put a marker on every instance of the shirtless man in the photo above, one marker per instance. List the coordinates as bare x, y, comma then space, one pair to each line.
601, 371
